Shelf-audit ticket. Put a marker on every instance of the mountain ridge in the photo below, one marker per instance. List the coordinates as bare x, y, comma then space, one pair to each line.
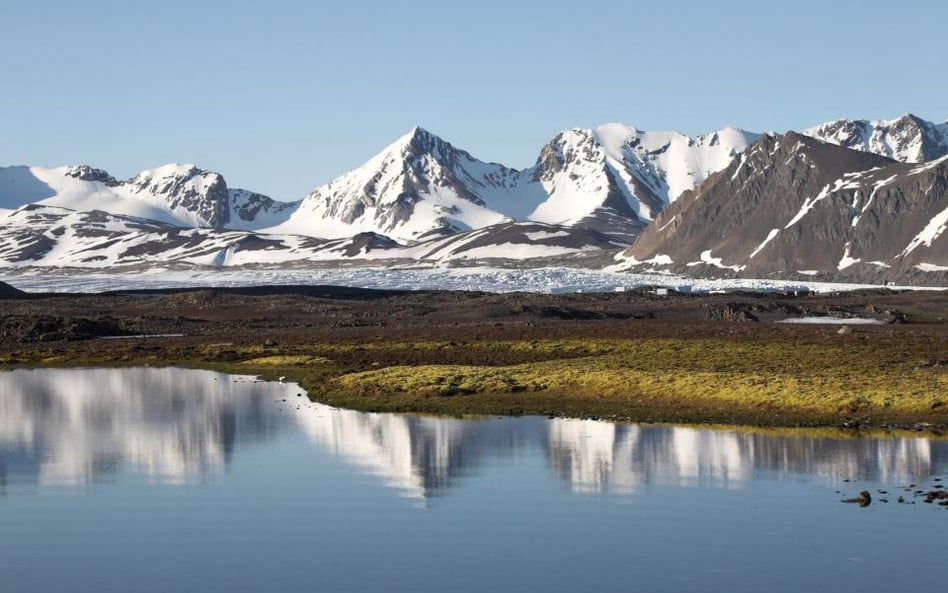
908, 138
610, 186
178, 194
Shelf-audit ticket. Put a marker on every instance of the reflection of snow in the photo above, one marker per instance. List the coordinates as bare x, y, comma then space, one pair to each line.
411, 454
593, 455
164, 423
602, 457
702, 455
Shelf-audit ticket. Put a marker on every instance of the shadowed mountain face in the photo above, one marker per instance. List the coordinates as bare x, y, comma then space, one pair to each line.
794, 205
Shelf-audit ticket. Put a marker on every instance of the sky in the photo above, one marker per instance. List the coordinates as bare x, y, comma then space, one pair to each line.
281, 97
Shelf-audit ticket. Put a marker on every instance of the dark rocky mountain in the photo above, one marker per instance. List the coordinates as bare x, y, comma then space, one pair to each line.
792, 205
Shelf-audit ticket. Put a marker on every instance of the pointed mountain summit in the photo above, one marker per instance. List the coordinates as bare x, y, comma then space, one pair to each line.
419, 186
908, 139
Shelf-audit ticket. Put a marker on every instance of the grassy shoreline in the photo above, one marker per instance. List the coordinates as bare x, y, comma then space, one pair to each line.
852, 381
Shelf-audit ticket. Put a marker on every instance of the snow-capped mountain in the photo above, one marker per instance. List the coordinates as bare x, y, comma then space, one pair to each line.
908, 139
613, 178
708, 204
418, 187
616, 179
792, 205
181, 195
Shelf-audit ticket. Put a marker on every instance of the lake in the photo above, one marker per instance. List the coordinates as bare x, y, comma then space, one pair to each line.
158, 480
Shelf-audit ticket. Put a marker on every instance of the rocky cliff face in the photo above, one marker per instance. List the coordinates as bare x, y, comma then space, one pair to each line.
185, 188
87, 173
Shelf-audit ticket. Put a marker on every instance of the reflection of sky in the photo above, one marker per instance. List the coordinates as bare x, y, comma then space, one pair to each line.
72, 426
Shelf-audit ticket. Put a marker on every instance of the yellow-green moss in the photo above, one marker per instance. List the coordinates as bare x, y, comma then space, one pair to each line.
826, 380
287, 360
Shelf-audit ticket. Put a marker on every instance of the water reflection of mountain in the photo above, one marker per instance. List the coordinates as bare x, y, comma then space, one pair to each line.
598, 456
418, 456
74, 426
421, 456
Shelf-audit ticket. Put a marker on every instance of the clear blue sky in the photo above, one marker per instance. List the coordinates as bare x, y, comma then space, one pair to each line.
283, 96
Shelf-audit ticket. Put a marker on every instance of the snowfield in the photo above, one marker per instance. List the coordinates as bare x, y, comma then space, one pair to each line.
545, 280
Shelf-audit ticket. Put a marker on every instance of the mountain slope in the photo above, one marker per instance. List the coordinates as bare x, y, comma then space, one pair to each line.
795, 205
182, 195
908, 139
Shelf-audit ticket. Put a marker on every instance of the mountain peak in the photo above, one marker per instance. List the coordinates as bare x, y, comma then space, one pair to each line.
418, 140
907, 138
172, 170
419, 132
417, 187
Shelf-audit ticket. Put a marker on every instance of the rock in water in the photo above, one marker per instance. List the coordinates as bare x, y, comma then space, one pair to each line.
864, 499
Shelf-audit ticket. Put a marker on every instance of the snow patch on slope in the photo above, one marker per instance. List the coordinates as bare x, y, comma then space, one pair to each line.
770, 237
717, 262
932, 231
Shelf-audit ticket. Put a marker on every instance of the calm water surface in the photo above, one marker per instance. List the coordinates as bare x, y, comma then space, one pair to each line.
171, 480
